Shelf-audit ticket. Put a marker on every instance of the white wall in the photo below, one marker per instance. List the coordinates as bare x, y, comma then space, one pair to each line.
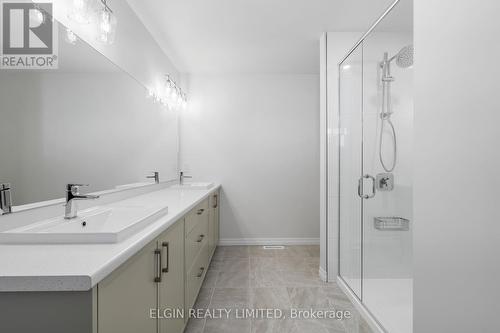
457, 117
257, 135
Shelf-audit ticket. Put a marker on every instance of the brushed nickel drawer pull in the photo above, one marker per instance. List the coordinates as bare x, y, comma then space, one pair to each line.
200, 274
200, 239
216, 198
166, 246
200, 211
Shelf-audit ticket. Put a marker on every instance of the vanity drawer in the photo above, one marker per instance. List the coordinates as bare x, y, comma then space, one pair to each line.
196, 215
195, 276
195, 241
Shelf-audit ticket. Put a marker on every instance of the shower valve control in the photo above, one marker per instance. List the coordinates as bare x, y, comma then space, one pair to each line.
385, 182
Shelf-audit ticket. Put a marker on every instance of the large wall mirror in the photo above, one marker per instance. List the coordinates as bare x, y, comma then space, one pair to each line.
86, 122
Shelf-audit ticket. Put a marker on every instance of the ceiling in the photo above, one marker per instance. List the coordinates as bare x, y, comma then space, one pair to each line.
254, 36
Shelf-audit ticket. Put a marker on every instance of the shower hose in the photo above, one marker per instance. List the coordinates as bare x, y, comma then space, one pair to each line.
385, 116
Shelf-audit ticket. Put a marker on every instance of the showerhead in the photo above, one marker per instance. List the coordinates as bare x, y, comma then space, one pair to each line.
404, 58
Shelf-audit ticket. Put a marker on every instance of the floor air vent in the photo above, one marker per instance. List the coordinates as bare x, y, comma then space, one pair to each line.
273, 247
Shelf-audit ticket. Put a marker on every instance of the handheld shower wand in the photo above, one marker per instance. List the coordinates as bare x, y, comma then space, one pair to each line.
404, 59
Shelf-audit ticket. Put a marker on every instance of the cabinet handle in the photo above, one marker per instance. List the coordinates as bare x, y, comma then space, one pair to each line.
200, 211
200, 239
216, 197
166, 246
157, 266
200, 274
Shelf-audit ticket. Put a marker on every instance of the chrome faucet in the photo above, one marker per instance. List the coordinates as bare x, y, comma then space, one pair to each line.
5, 199
72, 195
156, 176
182, 177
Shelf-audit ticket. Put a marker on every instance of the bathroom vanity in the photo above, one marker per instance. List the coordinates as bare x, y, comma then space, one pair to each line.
143, 239
126, 286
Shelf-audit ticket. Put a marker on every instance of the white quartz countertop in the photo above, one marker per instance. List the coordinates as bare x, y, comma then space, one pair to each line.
79, 267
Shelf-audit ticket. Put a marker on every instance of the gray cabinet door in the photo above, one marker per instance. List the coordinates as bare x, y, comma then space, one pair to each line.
171, 287
126, 297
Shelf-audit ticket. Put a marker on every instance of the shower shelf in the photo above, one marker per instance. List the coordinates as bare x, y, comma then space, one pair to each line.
392, 223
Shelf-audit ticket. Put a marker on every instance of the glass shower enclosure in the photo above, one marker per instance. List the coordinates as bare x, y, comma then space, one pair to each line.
375, 170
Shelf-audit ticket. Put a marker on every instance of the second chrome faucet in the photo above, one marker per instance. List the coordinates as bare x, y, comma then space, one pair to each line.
182, 177
73, 195
155, 176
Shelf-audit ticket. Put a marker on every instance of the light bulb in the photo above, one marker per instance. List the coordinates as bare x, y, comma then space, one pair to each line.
80, 11
105, 21
71, 37
107, 27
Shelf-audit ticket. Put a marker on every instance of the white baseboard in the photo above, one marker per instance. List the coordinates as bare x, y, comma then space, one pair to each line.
268, 241
323, 275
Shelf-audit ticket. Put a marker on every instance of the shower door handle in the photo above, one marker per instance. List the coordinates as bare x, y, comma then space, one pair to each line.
361, 187
369, 196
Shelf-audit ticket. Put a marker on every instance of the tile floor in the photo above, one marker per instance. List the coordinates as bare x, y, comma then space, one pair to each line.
250, 277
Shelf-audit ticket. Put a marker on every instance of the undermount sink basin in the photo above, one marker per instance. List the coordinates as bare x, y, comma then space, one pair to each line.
106, 224
194, 186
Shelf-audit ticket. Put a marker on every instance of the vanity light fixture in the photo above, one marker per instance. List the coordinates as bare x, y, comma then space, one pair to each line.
170, 95
177, 97
84, 11
106, 24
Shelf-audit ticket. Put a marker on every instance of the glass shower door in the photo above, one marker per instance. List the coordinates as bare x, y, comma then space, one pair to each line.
387, 153
350, 148
375, 172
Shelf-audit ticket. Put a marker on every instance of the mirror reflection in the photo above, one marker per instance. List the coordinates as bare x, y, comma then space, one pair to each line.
86, 122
